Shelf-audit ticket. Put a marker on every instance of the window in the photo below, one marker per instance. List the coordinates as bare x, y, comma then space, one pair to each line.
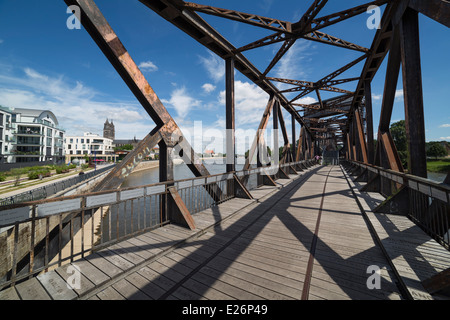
69, 146
71, 140
87, 140
82, 141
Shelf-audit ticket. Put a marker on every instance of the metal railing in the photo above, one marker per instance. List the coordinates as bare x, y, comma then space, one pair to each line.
46, 234
423, 201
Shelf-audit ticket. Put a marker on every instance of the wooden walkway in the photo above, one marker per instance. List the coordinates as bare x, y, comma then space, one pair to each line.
304, 239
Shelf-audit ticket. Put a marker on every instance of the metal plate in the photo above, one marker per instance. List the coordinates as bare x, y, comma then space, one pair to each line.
425, 189
439, 194
199, 182
51, 208
413, 185
101, 199
130, 194
155, 189
211, 179
10, 216
184, 184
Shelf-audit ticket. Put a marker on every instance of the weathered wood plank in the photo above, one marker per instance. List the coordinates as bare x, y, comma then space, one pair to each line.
32, 290
56, 286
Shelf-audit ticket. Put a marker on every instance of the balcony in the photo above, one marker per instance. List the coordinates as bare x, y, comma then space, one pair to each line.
30, 131
27, 154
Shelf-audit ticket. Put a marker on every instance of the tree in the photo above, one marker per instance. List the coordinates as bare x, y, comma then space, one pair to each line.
398, 133
436, 150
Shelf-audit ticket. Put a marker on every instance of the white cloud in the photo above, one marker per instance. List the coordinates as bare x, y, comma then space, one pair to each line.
250, 102
78, 108
307, 100
446, 125
377, 96
445, 138
208, 87
148, 66
182, 102
1, 41
399, 94
214, 65
292, 64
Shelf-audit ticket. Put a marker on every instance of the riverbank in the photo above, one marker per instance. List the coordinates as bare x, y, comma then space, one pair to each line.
439, 165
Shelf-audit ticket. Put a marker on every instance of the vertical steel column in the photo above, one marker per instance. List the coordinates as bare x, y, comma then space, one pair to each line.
275, 152
369, 122
412, 87
294, 144
230, 123
165, 174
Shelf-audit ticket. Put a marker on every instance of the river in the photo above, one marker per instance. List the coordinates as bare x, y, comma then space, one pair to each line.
214, 166
180, 171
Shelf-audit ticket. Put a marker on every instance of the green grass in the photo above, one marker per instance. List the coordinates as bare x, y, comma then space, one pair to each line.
440, 165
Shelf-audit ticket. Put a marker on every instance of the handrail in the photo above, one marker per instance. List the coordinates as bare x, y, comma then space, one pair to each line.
423, 201
103, 217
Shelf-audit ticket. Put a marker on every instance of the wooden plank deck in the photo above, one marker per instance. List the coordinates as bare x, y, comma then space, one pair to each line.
294, 241
414, 254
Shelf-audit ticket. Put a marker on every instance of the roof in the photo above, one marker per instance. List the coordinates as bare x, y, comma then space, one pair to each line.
34, 113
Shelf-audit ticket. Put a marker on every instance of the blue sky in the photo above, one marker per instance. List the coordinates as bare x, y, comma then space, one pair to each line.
45, 65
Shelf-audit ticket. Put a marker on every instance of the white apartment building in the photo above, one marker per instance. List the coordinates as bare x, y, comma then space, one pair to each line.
97, 148
30, 135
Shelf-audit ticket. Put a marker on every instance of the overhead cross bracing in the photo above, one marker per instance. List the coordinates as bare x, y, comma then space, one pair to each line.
341, 114
192, 18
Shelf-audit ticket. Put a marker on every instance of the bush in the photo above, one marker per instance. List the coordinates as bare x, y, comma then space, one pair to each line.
61, 169
35, 174
2, 176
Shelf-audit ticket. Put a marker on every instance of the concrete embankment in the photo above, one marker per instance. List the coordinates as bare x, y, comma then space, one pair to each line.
145, 165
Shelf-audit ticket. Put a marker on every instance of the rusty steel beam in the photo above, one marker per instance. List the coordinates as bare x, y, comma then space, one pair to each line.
331, 76
118, 174
337, 17
101, 32
322, 37
438, 10
271, 39
361, 138
260, 133
390, 151
413, 93
281, 52
298, 28
378, 51
253, 19
230, 115
191, 23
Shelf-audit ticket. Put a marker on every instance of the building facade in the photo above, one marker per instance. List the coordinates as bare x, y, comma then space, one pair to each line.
92, 146
30, 135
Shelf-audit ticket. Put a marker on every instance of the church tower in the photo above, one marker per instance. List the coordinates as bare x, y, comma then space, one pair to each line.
109, 130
